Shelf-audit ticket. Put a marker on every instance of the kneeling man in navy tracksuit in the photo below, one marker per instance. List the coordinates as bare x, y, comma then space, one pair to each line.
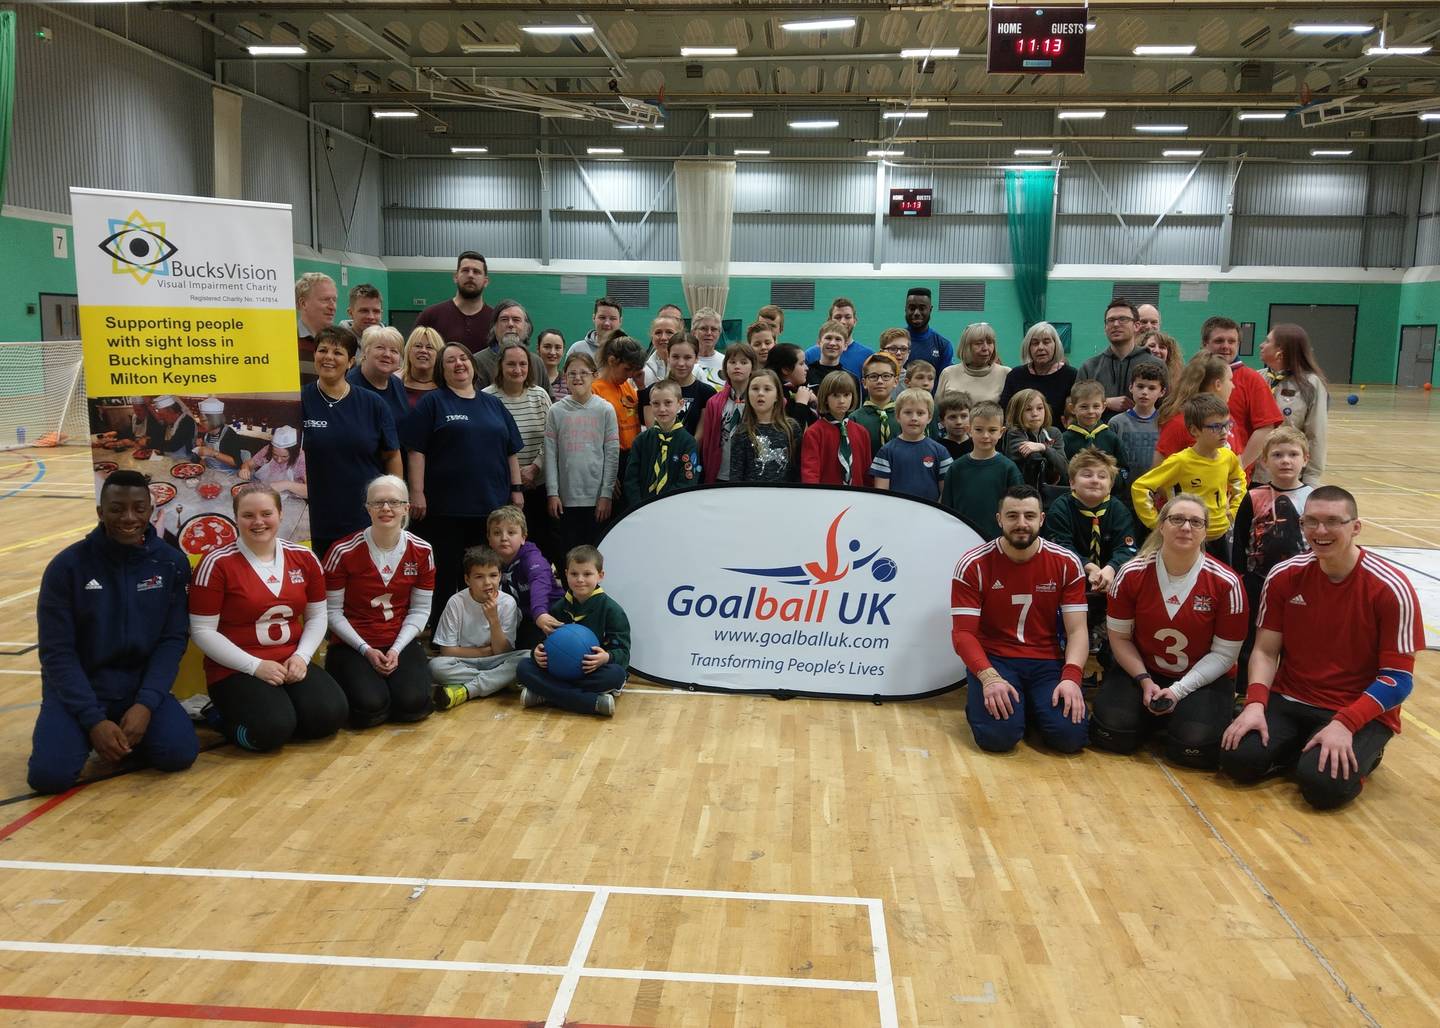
113, 626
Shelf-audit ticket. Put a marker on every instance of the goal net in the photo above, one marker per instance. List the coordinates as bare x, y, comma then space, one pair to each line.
42, 395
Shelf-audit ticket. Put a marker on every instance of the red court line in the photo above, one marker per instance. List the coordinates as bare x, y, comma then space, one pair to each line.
40, 811
262, 1015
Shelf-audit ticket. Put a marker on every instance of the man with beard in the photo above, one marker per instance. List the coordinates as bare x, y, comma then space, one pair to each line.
1112, 366
512, 325
1006, 599
925, 343
464, 318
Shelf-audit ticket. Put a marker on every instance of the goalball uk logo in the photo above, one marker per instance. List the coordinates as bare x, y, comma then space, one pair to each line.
851, 606
137, 247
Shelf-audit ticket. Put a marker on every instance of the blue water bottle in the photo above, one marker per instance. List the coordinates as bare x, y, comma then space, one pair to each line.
20, 434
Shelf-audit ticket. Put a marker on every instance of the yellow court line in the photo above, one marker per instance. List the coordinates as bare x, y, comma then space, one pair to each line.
1420, 725
1397, 485
45, 538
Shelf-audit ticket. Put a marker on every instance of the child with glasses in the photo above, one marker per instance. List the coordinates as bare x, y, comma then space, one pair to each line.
879, 377
896, 342
1207, 468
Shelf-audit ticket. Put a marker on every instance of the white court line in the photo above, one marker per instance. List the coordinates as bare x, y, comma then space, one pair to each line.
7, 671
884, 979
19, 596
581, 951
429, 883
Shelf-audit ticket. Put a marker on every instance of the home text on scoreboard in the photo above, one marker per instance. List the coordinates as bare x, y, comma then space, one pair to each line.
1037, 40
911, 203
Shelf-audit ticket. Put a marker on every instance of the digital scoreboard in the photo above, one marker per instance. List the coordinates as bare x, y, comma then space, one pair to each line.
1037, 40
911, 203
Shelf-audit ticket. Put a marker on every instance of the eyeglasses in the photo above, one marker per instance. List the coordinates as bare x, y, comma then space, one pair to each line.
898, 351
1219, 426
1124, 319
1329, 524
1181, 521
387, 504
578, 376
880, 376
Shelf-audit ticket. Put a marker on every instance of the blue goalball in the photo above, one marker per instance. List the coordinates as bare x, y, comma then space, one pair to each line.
565, 648
1352, 399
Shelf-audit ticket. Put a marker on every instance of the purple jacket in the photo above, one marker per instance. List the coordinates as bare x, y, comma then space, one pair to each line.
530, 580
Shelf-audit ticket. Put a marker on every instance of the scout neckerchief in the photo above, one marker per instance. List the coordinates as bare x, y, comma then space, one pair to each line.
1094, 516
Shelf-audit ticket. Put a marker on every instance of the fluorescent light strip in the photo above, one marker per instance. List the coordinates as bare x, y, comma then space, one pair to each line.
923, 53
1430, 116
1396, 51
395, 114
824, 25
469, 149
558, 30
1331, 153
752, 153
884, 153
1036, 152
732, 114
1332, 28
708, 51
277, 50
599, 151
1167, 50
818, 123
489, 48
1080, 115
1181, 153
1173, 129
905, 115
1263, 115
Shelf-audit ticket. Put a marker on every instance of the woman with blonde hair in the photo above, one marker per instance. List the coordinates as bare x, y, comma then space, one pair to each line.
1167, 348
979, 372
421, 351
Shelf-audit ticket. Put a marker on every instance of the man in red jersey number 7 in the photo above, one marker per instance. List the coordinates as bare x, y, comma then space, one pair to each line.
1007, 600
1334, 657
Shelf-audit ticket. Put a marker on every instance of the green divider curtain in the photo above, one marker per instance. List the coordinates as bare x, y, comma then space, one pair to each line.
1029, 211
7, 91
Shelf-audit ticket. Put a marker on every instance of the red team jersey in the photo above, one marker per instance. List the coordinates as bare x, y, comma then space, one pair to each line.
1170, 646
1014, 609
261, 623
375, 607
1338, 635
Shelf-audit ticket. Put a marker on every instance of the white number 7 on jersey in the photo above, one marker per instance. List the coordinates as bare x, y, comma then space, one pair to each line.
1023, 601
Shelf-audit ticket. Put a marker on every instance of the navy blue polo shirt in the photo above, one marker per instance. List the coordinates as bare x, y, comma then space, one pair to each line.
342, 445
467, 446
394, 395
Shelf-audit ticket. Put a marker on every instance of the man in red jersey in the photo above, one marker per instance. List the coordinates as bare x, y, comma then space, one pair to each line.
1006, 600
1334, 658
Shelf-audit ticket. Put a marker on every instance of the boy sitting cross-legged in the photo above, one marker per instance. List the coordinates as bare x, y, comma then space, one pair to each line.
475, 635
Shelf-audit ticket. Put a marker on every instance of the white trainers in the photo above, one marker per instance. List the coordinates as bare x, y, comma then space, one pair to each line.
195, 705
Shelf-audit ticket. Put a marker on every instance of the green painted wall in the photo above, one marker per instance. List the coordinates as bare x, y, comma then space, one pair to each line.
1419, 304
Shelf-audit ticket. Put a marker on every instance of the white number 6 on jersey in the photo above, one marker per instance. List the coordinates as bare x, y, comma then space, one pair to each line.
273, 627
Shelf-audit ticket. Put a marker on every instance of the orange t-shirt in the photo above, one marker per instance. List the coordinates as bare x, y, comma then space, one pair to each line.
626, 401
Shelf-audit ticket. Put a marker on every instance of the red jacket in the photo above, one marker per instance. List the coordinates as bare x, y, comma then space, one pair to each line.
820, 454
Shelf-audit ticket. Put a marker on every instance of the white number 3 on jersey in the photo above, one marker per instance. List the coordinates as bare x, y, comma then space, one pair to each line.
1174, 643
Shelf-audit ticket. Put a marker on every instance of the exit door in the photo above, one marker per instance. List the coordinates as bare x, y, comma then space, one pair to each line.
1417, 356
1331, 328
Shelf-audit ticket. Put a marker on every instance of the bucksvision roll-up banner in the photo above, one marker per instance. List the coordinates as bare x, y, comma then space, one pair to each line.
804, 590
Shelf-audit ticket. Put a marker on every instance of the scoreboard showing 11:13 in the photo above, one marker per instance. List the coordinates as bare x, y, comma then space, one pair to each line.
1037, 40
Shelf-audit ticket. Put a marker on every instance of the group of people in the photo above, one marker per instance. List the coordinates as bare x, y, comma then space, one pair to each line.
436, 458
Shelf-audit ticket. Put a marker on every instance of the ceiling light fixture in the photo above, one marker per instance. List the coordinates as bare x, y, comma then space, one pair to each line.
1396, 51
1035, 152
1166, 50
601, 151
489, 48
1430, 116
1181, 153
1263, 115
815, 123
732, 114
1172, 129
558, 30
469, 149
395, 114
752, 153
708, 51
1332, 28
277, 50
823, 25
905, 115
884, 153
927, 53
1086, 115
1331, 153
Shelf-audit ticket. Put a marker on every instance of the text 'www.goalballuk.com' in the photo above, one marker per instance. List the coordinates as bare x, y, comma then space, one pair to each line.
800, 637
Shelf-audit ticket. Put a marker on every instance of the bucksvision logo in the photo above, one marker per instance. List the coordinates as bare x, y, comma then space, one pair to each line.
816, 577
137, 247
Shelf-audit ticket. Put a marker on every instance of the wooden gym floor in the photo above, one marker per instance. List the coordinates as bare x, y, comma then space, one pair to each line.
715, 860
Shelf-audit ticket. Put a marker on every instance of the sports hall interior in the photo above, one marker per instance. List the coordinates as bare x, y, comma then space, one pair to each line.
707, 858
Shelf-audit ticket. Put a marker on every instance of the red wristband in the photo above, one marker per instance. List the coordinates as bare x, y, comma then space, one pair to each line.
1073, 673
1257, 693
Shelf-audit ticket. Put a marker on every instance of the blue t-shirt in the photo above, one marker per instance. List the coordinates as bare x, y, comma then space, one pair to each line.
933, 347
342, 445
852, 358
394, 395
915, 469
467, 446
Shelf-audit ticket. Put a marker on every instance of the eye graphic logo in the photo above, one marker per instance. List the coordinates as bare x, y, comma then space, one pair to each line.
137, 247
834, 568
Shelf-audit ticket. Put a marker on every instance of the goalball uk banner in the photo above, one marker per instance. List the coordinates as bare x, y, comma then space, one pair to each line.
184, 294
851, 599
